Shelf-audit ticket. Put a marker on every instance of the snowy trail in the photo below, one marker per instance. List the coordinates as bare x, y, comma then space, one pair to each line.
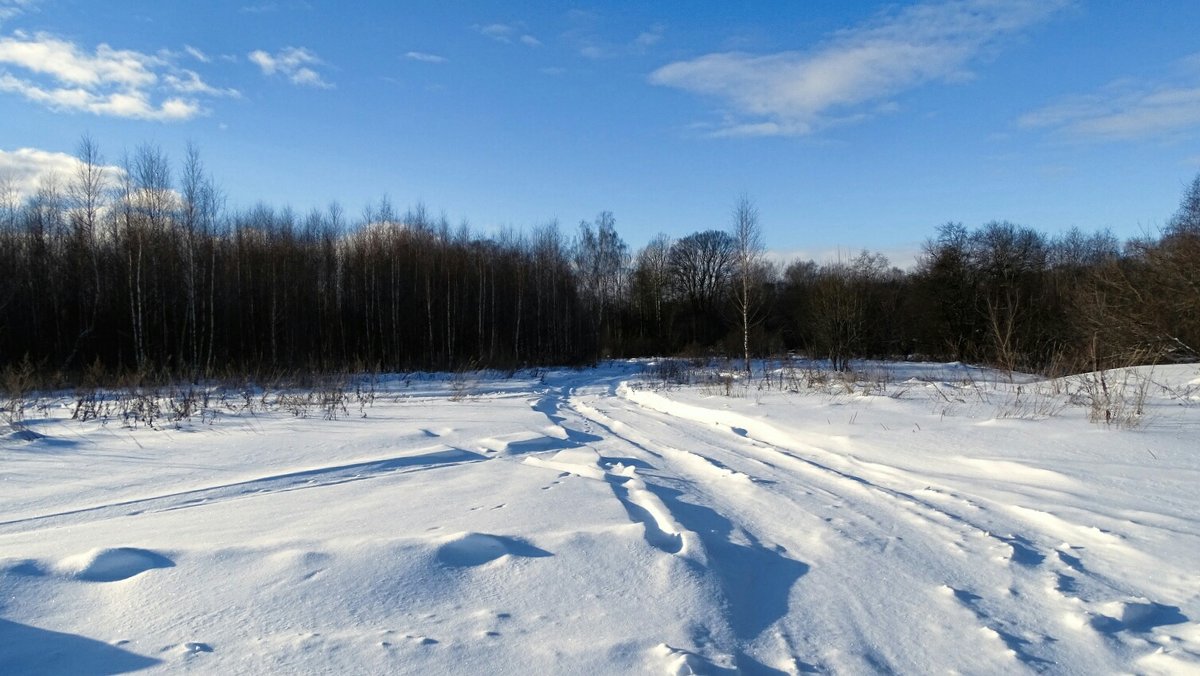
730, 494
587, 522
862, 533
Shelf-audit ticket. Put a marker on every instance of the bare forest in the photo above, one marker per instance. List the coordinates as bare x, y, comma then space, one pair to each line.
144, 274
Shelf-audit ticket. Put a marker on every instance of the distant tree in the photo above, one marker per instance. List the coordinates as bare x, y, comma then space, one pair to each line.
946, 286
795, 304
1187, 218
1075, 250
1010, 262
87, 193
1146, 305
701, 266
749, 269
200, 202
842, 307
10, 201
650, 286
601, 259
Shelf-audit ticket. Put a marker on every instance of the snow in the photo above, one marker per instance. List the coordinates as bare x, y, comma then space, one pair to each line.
924, 518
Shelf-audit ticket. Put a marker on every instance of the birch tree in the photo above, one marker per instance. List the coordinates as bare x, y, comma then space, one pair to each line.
748, 263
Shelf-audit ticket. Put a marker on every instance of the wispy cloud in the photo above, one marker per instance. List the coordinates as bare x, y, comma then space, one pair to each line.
125, 83
297, 64
649, 38
24, 171
259, 8
1127, 109
501, 32
187, 81
592, 41
270, 7
508, 33
594, 48
197, 54
425, 57
855, 70
11, 8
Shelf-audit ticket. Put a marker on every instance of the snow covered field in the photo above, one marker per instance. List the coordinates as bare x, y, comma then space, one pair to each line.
928, 519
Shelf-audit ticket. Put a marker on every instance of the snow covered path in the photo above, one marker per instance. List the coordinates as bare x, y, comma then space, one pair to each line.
586, 523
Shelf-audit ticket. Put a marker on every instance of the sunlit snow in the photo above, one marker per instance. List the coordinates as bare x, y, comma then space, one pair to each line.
915, 519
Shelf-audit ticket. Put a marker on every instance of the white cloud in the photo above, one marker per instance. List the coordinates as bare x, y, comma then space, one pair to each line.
270, 7
62, 60
189, 82
649, 38
60, 75
500, 32
197, 54
11, 8
1127, 109
508, 33
24, 170
591, 45
260, 8
798, 92
425, 57
297, 64
264, 61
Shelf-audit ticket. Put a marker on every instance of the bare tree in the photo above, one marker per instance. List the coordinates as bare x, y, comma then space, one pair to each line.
10, 201
1148, 301
87, 193
651, 280
1010, 262
1187, 218
198, 213
844, 305
601, 259
947, 284
701, 265
748, 261
88, 189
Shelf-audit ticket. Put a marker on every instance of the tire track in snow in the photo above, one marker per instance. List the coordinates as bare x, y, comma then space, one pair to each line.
660, 529
872, 503
753, 577
276, 483
1023, 550
1027, 629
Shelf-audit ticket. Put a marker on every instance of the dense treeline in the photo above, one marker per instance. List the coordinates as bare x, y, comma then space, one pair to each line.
139, 274
143, 272
1000, 294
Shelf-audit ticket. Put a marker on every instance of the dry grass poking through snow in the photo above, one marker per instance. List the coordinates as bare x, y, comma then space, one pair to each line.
1125, 398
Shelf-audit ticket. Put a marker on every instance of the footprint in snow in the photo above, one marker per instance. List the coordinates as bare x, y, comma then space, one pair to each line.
195, 647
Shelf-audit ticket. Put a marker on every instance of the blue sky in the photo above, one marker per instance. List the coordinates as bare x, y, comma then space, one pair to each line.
851, 124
